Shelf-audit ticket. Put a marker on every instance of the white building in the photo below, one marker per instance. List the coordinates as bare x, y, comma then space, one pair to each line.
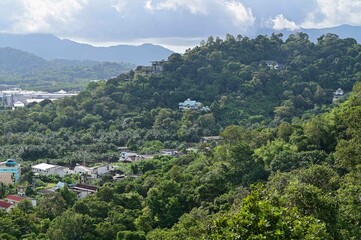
50, 169
129, 157
93, 172
189, 104
337, 94
20, 98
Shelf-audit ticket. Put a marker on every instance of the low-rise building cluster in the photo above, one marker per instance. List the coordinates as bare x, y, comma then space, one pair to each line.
17, 97
61, 171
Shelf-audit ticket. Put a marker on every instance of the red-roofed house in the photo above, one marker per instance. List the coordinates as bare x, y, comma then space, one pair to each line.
6, 205
13, 199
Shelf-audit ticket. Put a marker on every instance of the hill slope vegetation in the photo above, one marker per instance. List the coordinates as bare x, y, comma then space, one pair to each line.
288, 166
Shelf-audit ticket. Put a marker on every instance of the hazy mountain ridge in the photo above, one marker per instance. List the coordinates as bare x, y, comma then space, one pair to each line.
29, 70
50, 47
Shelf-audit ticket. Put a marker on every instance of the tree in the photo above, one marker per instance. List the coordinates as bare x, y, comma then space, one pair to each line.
51, 205
259, 219
350, 209
165, 203
69, 226
129, 235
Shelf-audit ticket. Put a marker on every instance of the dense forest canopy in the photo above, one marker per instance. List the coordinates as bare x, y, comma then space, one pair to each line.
288, 166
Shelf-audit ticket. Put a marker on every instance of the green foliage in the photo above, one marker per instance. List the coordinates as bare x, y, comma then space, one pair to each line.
278, 127
69, 226
259, 219
128, 235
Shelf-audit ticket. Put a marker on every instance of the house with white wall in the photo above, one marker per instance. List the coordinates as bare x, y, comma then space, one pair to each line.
50, 169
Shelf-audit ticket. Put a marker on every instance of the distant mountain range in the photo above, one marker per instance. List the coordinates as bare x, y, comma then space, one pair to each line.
28, 70
343, 31
51, 47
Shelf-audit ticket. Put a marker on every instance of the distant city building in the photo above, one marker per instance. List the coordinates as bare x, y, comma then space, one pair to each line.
189, 104
19, 98
10, 171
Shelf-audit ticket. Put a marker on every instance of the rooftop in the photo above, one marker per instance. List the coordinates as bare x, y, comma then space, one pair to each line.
212, 138
4, 204
9, 163
15, 198
43, 166
85, 187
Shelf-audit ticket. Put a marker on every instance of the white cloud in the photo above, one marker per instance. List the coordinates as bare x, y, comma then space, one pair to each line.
135, 20
234, 9
194, 7
241, 14
44, 15
280, 23
334, 12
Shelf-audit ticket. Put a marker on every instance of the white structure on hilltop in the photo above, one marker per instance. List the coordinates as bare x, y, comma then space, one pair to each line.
189, 104
337, 94
19, 98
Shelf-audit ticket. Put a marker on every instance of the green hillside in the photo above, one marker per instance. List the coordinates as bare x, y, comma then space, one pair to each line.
287, 167
30, 71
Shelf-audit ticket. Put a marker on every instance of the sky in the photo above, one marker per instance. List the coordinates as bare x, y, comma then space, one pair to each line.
176, 24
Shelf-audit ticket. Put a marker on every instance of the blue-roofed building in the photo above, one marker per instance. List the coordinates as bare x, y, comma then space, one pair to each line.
10, 171
189, 104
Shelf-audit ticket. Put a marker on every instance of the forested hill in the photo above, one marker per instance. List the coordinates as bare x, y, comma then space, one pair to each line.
231, 76
287, 167
30, 71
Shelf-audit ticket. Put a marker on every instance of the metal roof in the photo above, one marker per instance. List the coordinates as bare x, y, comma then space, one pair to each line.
43, 166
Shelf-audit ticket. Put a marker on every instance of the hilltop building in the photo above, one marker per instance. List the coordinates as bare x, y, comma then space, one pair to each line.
158, 66
337, 94
10, 171
273, 64
189, 105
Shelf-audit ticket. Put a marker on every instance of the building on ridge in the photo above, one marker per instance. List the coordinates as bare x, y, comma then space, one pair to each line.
189, 105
